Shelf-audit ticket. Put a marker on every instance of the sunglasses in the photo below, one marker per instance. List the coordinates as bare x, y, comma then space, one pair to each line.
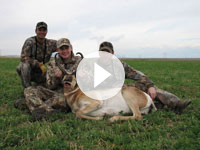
105, 50
42, 29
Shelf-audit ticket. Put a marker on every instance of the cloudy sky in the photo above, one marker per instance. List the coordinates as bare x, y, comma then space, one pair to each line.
137, 28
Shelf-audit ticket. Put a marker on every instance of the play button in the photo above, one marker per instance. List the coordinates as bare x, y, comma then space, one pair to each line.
100, 75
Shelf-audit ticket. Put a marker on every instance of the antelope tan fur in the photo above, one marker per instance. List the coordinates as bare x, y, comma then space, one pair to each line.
130, 101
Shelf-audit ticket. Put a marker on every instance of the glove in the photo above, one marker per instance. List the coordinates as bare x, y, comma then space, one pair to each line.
43, 68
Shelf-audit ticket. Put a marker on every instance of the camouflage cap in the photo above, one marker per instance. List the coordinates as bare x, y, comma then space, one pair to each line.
41, 25
63, 41
106, 46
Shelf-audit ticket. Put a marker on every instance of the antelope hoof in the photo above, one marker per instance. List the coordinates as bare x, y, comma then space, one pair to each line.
113, 119
99, 118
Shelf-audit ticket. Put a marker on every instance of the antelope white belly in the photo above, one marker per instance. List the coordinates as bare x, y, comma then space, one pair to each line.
113, 106
146, 109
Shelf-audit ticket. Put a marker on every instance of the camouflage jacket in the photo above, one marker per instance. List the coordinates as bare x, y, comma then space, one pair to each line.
34, 52
54, 82
142, 81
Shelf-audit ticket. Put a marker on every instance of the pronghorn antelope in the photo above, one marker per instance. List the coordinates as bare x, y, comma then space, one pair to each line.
130, 100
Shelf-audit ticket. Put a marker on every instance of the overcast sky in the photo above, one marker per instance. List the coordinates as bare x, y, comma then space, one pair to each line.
137, 28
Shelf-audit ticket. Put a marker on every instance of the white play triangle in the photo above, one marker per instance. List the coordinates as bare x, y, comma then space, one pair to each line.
100, 74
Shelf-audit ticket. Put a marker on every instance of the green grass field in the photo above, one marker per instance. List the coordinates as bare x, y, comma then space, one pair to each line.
161, 130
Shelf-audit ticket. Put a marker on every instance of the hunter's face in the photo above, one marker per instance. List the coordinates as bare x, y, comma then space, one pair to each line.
105, 57
41, 32
65, 51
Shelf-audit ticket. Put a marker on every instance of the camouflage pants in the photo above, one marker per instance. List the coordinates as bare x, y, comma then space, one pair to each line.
40, 98
30, 73
162, 98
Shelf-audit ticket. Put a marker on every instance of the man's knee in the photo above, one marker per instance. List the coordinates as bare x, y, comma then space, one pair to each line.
18, 69
24, 71
23, 68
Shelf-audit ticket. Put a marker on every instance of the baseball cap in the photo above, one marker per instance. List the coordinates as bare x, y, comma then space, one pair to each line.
63, 41
41, 25
106, 46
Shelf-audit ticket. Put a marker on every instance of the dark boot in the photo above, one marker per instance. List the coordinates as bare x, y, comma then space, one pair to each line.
181, 105
171, 100
20, 103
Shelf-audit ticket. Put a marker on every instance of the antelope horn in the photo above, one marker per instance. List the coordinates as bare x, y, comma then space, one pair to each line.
80, 54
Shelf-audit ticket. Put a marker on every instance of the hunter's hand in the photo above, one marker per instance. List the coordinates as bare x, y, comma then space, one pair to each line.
43, 68
152, 92
59, 73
